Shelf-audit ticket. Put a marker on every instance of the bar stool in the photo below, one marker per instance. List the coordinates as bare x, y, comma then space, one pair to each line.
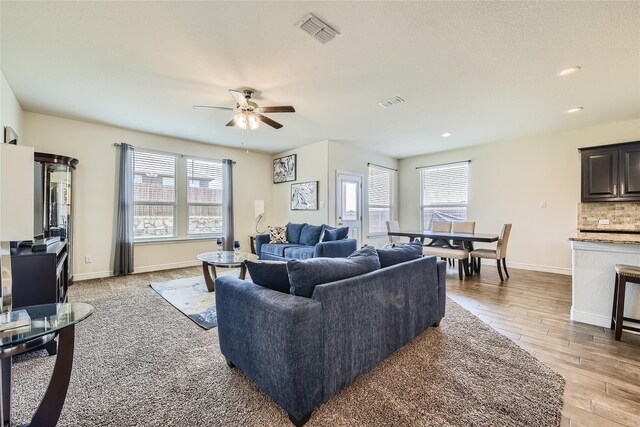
624, 274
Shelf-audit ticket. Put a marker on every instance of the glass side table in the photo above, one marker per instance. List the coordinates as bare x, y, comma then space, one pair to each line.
211, 260
47, 322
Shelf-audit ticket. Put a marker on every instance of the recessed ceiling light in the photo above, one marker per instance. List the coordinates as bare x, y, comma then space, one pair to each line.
569, 71
575, 109
390, 102
446, 134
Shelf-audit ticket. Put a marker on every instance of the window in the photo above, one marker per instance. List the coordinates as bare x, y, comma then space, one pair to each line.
154, 195
176, 196
444, 191
204, 196
380, 182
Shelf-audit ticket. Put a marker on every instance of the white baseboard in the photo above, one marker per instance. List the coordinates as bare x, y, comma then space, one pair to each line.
159, 267
145, 269
590, 318
78, 277
543, 268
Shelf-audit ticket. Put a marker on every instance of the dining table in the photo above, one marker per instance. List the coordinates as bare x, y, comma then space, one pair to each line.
448, 239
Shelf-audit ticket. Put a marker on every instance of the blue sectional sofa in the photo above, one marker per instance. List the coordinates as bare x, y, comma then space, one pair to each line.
303, 350
306, 241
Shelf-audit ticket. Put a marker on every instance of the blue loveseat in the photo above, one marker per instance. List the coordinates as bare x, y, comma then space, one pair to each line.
303, 350
306, 241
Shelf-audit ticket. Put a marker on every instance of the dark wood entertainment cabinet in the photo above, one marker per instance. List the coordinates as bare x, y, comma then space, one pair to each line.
40, 278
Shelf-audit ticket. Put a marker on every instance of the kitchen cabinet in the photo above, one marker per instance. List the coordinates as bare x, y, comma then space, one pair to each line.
611, 173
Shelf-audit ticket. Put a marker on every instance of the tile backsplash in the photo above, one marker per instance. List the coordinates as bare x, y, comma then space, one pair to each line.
622, 216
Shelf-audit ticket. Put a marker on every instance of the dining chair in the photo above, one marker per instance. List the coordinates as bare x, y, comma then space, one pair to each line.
394, 227
499, 254
462, 227
441, 226
462, 255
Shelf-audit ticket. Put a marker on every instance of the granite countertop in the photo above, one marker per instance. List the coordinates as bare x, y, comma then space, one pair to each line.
624, 238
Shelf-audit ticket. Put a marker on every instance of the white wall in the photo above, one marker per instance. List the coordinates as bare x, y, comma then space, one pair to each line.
312, 165
10, 110
345, 157
95, 189
10, 115
507, 180
320, 162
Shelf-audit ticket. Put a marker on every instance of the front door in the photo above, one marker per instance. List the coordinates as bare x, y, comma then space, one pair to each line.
349, 203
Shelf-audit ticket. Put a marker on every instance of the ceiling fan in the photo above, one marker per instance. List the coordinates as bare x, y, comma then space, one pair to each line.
248, 114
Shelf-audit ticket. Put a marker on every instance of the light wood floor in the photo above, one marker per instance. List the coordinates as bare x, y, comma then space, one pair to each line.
532, 308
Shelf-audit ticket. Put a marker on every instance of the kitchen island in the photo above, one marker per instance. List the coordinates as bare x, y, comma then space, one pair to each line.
594, 256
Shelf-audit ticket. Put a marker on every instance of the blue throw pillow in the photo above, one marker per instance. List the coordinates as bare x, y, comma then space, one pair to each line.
343, 233
330, 235
293, 232
339, 233
305, 275
310, 234
270, 274
323, 234
400, 253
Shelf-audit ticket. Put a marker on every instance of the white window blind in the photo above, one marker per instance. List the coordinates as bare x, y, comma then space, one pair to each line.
444, 191
154, 194
204, 196
380, 199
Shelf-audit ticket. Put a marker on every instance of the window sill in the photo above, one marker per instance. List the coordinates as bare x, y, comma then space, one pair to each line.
174, 240
377, 236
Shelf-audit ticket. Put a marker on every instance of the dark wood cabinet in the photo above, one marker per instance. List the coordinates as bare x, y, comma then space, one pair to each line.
630, 171
40, 277
611, 173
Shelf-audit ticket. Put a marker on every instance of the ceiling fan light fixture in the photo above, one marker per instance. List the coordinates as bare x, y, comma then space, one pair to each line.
254, 121
241, 121
248, 114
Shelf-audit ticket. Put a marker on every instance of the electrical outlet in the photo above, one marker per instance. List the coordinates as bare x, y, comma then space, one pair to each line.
603, 221
542, 204
321, 205
88, 259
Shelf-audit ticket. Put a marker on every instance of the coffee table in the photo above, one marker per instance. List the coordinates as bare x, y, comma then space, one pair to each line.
211, 260
47, 322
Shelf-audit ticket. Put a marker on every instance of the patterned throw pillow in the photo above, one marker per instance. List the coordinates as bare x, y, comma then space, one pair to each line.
277, 234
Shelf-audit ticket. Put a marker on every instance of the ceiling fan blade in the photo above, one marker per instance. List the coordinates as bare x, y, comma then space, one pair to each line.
278, 109
209, 107
232, 122
268, 121
239, 97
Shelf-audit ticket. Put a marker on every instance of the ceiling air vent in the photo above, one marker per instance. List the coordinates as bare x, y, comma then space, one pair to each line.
390, 102
318, 29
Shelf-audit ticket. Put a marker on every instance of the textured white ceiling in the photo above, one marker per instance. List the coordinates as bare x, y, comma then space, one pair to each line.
484, 71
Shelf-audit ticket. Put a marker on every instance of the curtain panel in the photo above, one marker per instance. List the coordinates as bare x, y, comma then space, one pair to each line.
227, 179
123, 263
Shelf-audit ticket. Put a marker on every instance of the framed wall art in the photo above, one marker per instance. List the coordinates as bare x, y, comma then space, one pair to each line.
284, 169
10, 135
304, 196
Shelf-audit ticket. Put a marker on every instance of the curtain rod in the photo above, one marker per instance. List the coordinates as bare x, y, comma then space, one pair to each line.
443, 164
380, 166
118, 144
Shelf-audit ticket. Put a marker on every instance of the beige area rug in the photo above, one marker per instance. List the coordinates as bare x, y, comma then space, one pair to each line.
191, 296
140, 362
